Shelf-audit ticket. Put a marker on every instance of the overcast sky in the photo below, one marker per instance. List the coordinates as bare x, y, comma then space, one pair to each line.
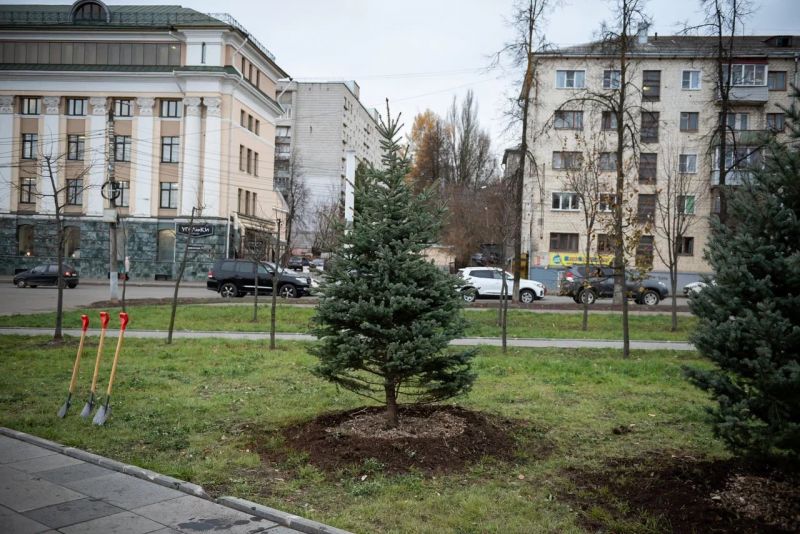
422, 53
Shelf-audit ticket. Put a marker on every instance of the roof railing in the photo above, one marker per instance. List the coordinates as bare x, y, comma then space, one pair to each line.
228, 19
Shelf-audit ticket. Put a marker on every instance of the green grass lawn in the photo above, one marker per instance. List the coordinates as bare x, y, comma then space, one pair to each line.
482, 323
194, 409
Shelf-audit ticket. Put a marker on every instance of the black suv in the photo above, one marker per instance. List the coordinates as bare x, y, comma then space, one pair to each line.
46, 275
236, 278
600, 284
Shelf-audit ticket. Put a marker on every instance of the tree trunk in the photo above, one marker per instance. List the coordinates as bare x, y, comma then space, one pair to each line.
57, 335
673, 281
178, 279
504, 313
391, 404
255, 293
275, 288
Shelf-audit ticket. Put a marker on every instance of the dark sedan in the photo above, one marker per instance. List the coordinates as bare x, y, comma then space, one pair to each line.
46, 274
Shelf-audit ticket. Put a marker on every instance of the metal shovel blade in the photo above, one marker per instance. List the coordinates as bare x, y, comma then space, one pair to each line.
102, 413
62, 412
88, 407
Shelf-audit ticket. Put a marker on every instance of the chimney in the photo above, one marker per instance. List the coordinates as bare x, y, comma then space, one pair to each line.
641, 33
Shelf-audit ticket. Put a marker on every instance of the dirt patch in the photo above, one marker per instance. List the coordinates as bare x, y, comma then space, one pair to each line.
686, 494
430, 439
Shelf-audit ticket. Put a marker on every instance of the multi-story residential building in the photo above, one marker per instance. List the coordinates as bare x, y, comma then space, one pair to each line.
323, 121
176, 107
675, 110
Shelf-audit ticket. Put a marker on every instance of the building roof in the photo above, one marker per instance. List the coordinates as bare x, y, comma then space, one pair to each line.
690, 46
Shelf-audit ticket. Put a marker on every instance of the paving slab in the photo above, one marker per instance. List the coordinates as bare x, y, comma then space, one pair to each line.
121, 523
14, 450
191, 514
123, 490
11, 521
24, 491
74, 473
45, 463
72, 512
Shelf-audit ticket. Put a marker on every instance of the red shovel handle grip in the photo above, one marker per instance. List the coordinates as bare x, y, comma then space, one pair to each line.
84, 322
104, 318
123, 320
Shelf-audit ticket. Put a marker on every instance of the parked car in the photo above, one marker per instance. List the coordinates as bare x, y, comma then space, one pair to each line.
236, 278
694, 288
600, 284
297, 263
318, 263
488, 282
46, 274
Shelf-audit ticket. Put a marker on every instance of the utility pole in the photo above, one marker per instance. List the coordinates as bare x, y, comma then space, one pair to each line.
113, 282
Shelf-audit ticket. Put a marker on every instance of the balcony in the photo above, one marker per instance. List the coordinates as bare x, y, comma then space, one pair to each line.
747, 94
733, 176
745, 137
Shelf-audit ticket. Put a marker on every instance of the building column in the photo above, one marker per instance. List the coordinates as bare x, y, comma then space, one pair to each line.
6, 176
143, 175
190, 181
49, 149
97, 149
212, 158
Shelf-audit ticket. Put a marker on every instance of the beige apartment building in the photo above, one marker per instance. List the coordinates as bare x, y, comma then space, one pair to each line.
676, 109
142, 114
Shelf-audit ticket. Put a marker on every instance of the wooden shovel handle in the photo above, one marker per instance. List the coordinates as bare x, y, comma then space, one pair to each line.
123, 322
104, 325
76, 365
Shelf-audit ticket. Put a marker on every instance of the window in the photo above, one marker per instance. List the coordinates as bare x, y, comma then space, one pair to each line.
25, 239
170, 149
568, 120
239, 201
646, 207
686, 204
76, 106
243, 64
29, 106
737, 121
166, 245
242, 118
27, 190
644, 251
651, 85
689, 121
122, 107
122, 148
686, 246
169, 195
608, 161
746, 74
255, 201
124, 196
249, 161
283, 149
565, 202
690, 80
255, 163
482, 274
282, 131
203, 53
74, 192
29, 146
611, 79
241, 157
605, 244
609, 120
742, 158
258, 127
563, 242
72, 242
606, 202
648, 167
250, 122
687, 163
567, 160
649, 130
570, 79
170, 109
75, 147
247, 202
776, 80
776, 122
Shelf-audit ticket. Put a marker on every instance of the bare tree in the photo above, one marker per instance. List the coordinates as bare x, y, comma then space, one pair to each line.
467, 145
256, 248
190, 230
276, 275
676, 202
327, 232
296, 194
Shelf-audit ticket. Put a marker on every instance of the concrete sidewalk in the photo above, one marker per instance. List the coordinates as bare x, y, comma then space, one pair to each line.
467, 341
46, 487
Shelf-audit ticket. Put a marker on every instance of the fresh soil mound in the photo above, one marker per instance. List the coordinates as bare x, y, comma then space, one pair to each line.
429, 438
695, 495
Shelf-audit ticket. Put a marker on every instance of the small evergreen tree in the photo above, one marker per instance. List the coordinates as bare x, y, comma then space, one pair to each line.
750, 320
387, 314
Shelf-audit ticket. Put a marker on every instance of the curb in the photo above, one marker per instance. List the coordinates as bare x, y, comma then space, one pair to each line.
282, 518
265, 512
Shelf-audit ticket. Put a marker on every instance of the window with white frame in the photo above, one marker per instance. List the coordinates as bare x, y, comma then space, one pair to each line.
570, 79
76, 106
737, 121
568, 120
567, 160
611, 79
565, 201
686, 204
746, 74
687, 163
690, 80
606, 202
29, 106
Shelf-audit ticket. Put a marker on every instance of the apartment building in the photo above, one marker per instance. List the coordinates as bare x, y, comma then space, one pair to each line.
322, 123
675, 105
142, 113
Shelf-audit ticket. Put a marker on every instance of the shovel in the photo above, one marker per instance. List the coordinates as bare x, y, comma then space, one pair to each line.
64, 407
87, 409
105, 410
